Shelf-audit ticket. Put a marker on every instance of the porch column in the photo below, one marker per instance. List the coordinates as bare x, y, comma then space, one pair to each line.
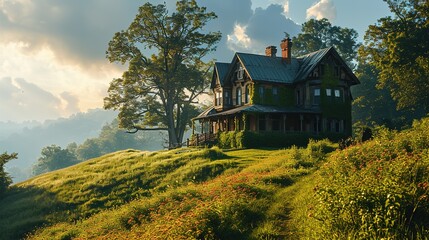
301, 118
202, 127
193, 127
218, 125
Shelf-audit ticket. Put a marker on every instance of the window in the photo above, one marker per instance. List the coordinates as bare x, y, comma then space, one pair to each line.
316, 98
328, 92
218, 98
261, 91
238, 96
337, 93
275, 94
275, 91
246, 94
227, 101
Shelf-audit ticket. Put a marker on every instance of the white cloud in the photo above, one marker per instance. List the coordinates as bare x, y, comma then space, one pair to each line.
322, 9
239, 40
286, 7
64, 82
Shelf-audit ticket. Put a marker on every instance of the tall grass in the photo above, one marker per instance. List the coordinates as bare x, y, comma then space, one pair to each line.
219, 204
373, 190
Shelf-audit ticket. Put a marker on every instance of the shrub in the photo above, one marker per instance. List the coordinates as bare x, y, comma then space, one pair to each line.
378, 190
317, 149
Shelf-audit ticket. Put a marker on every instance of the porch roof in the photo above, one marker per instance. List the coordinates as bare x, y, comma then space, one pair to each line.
254, 108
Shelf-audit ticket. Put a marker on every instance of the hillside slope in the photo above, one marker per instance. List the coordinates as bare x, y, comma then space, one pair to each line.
128, 180
373, 190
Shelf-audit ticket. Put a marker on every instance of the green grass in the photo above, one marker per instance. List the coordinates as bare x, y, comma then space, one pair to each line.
297, 193
132, 192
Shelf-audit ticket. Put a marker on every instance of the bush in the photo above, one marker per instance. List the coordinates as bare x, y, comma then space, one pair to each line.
248, 139
378, 190
317, 149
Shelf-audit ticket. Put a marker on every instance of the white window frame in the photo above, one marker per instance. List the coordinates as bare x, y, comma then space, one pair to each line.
337, 93
317, 92
328, 92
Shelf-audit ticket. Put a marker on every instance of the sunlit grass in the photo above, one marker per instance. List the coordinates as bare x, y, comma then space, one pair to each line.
204, 193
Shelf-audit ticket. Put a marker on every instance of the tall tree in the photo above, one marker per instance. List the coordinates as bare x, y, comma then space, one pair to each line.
372, 105
318, 34
53, 158
5, 179
158, 92
398, 47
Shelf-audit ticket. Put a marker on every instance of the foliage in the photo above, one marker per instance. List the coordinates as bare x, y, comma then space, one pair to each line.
398, 48
5, 179
249, 139
240, 204
53, 157
318, 34
284, 98
373, 106
112, 139
379, 189
372, 190
158, 92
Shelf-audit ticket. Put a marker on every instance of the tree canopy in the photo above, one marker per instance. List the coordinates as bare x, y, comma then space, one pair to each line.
158, 91
318, 34
5, 179
52, 158
398, 47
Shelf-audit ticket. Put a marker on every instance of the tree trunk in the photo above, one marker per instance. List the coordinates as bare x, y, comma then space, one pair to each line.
172, 136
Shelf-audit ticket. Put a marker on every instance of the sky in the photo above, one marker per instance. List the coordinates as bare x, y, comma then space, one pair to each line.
52, 52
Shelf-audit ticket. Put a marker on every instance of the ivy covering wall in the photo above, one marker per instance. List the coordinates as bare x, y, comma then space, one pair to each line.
285, 96
248, 139
331, 106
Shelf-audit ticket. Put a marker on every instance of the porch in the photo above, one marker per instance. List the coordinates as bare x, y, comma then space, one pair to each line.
262, 120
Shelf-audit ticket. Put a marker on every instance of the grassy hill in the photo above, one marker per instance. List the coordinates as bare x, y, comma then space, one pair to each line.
373, 190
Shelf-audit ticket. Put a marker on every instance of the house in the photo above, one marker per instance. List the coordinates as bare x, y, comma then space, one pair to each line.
291, 97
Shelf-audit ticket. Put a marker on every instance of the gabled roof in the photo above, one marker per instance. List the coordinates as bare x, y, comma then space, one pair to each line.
310, 61
274, 69
270, 69
221, 70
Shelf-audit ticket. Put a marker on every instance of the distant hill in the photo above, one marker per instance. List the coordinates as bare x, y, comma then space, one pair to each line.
27, 139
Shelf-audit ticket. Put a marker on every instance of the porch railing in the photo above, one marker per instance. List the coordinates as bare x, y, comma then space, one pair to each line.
202, 139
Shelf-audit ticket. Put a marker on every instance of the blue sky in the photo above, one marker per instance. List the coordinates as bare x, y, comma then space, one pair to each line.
52, 52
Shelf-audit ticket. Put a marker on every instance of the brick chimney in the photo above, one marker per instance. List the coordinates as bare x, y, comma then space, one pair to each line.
270, 51
286, 46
